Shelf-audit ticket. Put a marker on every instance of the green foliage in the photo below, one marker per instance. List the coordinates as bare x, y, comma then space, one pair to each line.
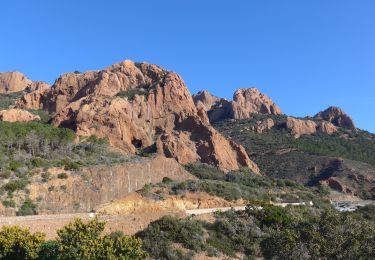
17, 243
79, 240
241, 184
27, 208
14, 185
62, 175
70, 165
131, 93
9, 203
8, 99
49, 250
332, 236
159, 235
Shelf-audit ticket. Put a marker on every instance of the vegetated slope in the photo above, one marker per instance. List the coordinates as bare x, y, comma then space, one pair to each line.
268, 233
344, 160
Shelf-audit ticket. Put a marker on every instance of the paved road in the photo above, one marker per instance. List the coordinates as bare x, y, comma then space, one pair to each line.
211, 210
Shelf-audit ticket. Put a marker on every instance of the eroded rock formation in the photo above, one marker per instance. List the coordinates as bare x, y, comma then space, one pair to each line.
337, 117
17, 115
299, 127
13, 82
138, 106
249, 101
245, 103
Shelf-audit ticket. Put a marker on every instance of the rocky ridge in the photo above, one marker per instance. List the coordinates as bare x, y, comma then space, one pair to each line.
245, 103
299, 127
138, 107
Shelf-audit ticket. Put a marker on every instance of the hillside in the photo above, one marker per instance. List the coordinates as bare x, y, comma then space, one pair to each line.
344, 160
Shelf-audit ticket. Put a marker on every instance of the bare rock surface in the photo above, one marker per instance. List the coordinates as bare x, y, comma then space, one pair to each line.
336, 116
17, 115
137, 106
245, 103
249, 101
299, 127
13, 82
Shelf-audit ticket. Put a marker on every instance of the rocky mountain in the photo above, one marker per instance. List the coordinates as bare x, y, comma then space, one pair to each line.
138, 107
245, 103
336, 116
310, 151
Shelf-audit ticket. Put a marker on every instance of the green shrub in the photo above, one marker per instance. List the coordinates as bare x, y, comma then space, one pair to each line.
159, 236
49, 250
14, 185
19, 243
62, 175
27, 208
45, 176
14, 165
79, 240
5, 175
9, 203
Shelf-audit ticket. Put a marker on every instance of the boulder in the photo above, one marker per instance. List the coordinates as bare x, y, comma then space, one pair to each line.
327, 128
299, 127
17, 115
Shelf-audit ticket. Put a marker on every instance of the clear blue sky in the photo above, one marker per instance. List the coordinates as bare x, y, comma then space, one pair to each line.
305, 54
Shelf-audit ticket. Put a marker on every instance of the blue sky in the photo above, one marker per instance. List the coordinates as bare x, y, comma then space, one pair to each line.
306, 55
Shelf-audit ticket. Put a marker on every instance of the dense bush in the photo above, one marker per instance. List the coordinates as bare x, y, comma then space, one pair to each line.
19, 243
27, 208
158, 237
241, 184
79, 240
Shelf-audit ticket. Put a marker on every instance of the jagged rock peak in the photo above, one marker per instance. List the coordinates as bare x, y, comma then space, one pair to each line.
251, 100
336, 116
13, 82
206, 98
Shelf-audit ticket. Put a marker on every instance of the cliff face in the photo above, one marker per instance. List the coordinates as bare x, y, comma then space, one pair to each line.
101, 184
13, 82
138, 106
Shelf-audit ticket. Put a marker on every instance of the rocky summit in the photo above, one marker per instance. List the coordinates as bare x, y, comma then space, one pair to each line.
246, 102
336, 116
139, 107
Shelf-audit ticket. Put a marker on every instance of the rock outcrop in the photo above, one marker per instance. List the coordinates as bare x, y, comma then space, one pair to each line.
299, 127
206, 98
263, 125
326, 127
13, 82
249, 101
34, 99
245, 103
337, 117
138, 106
17, 115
